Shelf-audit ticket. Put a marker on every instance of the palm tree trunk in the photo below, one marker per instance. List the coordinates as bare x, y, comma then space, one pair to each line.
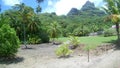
24, 36
117, 29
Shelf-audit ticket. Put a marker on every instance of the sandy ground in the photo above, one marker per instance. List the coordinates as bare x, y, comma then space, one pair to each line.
42, 56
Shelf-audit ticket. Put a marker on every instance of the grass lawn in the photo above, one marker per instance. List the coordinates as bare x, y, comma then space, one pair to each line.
92, 40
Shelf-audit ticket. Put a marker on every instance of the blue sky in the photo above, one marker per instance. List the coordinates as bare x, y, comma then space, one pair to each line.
61, 7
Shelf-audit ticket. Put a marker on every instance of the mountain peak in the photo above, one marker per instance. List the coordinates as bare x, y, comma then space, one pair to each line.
88, 6
73, 11
88, 9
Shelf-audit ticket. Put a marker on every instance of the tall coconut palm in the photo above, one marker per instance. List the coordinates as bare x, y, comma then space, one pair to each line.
25, 13
113, 9
34, 24
38, 9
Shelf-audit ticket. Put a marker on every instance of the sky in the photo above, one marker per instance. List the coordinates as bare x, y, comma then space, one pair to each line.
60, 7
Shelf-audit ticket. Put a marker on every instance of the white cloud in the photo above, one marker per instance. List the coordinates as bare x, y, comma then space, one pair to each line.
64, 6
11, 2
50, 3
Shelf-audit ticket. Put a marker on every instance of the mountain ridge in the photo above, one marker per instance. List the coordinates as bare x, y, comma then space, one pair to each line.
87, 9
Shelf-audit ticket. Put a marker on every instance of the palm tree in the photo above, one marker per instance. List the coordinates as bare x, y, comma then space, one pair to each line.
34, 24
39, 1
25, 13
38, 9
113, 9
54, 30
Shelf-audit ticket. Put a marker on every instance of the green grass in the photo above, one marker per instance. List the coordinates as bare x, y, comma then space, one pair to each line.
93, 40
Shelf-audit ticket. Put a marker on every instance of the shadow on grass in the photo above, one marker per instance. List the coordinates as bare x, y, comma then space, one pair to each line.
11, 60
116, 43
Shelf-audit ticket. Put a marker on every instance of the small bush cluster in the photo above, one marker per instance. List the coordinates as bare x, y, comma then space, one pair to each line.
63, 50
9, 42
44, 36
74, 42
34, 40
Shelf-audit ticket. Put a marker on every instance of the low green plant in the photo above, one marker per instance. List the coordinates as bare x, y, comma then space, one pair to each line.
9, 42
74, 41
34, 40
88, 48
63, 50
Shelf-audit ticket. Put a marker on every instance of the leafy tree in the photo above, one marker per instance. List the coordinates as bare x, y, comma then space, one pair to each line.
25, 13
113, 9
38, 9
9, 42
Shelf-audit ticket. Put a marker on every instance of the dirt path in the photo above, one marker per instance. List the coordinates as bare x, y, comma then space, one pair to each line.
42, 56
110, 60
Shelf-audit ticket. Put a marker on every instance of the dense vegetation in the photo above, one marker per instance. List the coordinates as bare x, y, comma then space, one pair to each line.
9, 42
34, 27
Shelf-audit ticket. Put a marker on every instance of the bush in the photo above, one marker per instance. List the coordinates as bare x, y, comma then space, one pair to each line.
81, 32
74, 42
63, 50
9, 42
34, 40
44, 37
110, 32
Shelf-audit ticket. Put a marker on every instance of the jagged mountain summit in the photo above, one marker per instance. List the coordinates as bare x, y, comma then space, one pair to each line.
87, 9
88, 6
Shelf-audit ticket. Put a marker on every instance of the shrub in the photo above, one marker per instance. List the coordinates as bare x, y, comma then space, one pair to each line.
63, 50
9, 42
109, 32
44, 37
81, 32
34, 40
74, 42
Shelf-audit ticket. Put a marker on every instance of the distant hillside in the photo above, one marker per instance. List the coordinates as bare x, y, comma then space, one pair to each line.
88, 9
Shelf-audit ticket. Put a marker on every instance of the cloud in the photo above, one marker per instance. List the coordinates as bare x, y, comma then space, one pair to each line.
11, 2
50, 3
50, 6
62, 7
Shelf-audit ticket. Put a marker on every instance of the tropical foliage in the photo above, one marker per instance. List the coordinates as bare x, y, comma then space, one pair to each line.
63, 50
74, 42
113, 9
31, 26
9, 42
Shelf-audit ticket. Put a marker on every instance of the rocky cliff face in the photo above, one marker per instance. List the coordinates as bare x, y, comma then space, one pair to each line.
88, 6
73, 11
87, 9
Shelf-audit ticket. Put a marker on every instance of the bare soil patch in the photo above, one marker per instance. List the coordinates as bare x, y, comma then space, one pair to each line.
43, 56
